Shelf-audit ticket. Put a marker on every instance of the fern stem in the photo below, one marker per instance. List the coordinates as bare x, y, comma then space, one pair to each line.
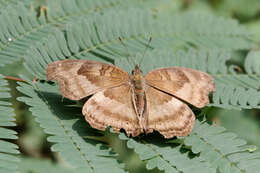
14, 78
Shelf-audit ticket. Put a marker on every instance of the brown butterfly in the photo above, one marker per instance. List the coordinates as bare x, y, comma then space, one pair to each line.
134, 102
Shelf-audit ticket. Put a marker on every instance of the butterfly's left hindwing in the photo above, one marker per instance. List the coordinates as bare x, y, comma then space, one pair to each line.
113, 107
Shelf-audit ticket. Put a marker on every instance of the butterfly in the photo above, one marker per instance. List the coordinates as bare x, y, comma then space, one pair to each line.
135, 102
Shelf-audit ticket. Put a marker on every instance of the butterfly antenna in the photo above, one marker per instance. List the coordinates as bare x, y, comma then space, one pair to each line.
146, 48
128, 54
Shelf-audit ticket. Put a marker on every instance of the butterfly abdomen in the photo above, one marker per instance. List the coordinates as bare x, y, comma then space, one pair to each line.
140, 100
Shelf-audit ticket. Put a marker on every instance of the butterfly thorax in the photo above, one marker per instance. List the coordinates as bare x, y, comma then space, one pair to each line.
138, 80
138, 83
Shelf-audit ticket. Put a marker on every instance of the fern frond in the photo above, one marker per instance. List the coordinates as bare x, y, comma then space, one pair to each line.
252, 63
240, 90
134, 26
242, 122
166, 157
68, 129
33, 165
216, 149
20, 28
8, 3
66, 11
97, 36
8, 150
223, 149
60, 11
231, 97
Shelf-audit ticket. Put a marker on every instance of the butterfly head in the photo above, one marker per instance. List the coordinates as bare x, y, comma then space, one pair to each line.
137, 71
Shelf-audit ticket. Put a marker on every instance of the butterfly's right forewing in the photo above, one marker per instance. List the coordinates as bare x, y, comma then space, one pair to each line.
189, 85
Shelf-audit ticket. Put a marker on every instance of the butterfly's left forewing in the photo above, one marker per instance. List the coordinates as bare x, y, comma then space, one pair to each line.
80, 78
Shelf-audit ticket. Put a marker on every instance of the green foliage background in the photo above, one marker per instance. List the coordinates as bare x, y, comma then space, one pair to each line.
41, 132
